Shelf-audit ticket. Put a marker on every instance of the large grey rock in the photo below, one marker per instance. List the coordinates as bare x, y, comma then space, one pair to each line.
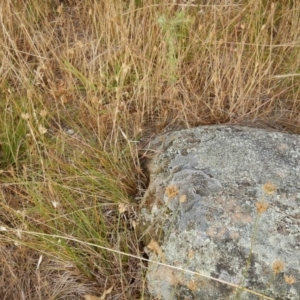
201, 208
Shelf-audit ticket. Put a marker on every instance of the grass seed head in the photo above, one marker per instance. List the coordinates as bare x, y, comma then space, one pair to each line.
278, 266
261, 207
269, 188
172, 191
289, 279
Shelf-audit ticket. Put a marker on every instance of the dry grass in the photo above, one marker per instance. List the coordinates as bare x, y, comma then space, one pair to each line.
84, 85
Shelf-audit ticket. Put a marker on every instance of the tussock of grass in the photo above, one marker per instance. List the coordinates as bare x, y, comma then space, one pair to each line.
83, 87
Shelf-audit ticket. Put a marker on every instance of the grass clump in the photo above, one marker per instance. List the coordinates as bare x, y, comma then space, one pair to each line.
83, 87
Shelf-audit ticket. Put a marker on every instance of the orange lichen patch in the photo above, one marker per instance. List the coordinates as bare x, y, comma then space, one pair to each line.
234, 235
278, 266
182, 199
261, 207
269, 188
211, 231
191, 254
242, 218
232, 205
191, 285
216, 232
172, 191
282, 147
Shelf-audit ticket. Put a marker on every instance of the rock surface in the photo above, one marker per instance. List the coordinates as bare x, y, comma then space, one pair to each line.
224, 201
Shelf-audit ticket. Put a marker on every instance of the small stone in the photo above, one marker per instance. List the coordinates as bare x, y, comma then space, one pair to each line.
70, 131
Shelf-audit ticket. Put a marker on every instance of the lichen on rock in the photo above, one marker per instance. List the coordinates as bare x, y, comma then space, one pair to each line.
229, 195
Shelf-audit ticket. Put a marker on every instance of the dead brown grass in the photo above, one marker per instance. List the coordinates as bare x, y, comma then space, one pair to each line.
23, 278
82, 82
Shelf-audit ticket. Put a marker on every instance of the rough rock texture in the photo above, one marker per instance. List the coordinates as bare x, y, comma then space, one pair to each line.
201, 208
